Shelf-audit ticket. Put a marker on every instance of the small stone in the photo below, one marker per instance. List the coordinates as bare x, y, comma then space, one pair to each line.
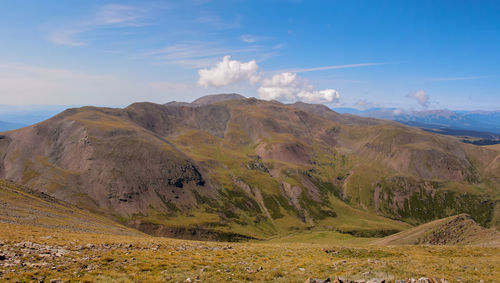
302, 269
188, 280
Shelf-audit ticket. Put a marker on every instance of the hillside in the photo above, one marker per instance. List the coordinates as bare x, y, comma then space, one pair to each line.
23, 207
229, 168
455, 230
43, 254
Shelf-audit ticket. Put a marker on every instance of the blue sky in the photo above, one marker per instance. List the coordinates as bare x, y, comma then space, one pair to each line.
405, 54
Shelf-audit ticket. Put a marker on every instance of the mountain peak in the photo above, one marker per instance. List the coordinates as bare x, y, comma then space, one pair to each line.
209, 99
214, 98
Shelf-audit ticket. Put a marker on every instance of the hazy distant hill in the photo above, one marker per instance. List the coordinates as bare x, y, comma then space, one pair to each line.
230, 167
480, 121
7, 126
23, 115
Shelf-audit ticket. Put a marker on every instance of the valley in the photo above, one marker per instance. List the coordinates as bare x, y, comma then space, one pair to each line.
61, 243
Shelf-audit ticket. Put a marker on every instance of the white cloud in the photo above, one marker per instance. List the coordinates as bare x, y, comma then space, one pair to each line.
284, 86
319, 96
421, 97
288, 88
397, 111
228, 72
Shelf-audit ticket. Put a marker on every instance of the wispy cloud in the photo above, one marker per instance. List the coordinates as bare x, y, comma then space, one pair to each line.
66, 37
30, 84
41, 85
172, 87
460, 78
248, 38
107, 16
196, 54
331, 67
218, 22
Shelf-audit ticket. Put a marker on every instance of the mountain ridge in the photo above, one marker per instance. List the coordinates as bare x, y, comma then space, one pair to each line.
477, 120
250, 168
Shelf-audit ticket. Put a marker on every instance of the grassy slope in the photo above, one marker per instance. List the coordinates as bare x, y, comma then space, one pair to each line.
227, 159
332, 155
19, 206
160, 259
459, 230
228, 163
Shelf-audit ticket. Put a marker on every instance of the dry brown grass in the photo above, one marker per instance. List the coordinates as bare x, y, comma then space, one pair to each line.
153, 259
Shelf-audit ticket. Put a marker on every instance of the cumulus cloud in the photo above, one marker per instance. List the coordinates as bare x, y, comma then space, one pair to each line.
228, 72
282, 86
421, 97
287, 87
320, 96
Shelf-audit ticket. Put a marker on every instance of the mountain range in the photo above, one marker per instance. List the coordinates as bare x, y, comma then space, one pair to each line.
7, 126
479, 121
228, 167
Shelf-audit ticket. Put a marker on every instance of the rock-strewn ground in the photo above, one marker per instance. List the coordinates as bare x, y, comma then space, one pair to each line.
43, 254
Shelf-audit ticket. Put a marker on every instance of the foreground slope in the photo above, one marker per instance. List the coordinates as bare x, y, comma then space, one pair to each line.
226, 167
42, 254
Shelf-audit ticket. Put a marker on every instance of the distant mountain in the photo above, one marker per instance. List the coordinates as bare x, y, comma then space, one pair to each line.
347, 110
208, 99
480, 121
229, 167
22, 115
7, 126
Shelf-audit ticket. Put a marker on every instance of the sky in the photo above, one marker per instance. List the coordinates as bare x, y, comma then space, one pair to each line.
413, 55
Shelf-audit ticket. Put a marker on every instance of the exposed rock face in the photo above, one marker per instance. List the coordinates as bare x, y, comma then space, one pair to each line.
239, 161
